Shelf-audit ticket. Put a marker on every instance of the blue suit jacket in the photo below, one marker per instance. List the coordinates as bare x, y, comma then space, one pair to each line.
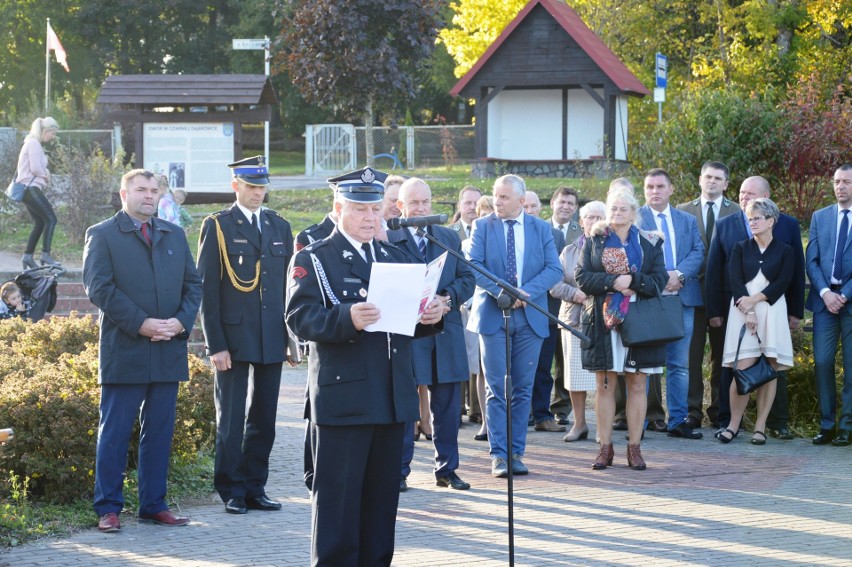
690, 251
729, 231
822, 242
130, 281
541, 271
458, 282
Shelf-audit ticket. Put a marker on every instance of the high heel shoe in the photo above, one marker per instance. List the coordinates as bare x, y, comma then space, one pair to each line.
28, 262
634, 458
428, 436
47, 260
417, 431
604, 459
576, 435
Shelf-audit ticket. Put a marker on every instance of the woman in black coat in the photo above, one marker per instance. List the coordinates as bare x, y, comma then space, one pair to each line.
619, 262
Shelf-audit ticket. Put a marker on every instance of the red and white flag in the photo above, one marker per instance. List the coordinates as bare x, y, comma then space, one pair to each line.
54, 44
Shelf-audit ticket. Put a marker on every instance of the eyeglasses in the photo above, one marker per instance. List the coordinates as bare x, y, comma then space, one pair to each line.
755, 219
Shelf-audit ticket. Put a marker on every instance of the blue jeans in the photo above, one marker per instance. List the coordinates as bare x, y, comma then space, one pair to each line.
677, 372
525, 346
828, 328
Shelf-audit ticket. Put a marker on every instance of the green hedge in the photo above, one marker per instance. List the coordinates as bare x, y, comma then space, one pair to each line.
50, 396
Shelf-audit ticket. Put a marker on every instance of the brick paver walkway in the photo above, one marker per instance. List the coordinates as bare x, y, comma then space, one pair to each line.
699, 503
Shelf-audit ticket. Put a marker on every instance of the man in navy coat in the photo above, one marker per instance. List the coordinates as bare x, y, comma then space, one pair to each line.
519, 249
684, 255
730, 230
361, 389
243, 254
829, 268
139, 271
440, 362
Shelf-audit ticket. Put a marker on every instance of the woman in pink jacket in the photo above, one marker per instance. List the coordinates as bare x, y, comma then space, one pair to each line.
33, 172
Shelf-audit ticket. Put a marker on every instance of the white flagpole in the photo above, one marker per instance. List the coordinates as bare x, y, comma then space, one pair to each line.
47, 69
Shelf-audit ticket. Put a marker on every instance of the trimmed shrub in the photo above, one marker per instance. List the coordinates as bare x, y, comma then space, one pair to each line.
49, 394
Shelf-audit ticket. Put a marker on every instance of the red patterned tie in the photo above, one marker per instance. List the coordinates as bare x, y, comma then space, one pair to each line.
145, 234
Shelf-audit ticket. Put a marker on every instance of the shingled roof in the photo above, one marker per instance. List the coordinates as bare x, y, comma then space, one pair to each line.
187, 90
591, 44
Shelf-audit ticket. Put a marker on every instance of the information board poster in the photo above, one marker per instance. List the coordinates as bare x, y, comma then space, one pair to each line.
194, 156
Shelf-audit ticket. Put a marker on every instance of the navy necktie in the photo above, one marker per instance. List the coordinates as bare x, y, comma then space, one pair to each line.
368, 252
841, 246
511, 261
255, 222
667, 243
421, 245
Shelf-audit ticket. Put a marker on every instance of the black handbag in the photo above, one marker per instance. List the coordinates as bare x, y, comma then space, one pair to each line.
750, 379
653, 321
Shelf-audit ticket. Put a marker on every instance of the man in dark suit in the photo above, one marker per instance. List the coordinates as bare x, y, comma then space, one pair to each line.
360, 383
711, 206
544, 381
519, 249
243, 253
564, 203
729, 231
139, 271
829, 266
440, 362
684, 254
316, 231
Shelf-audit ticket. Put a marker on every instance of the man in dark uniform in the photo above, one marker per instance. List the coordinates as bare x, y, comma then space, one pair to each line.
439, 362
316, 231
243, 254
361, 384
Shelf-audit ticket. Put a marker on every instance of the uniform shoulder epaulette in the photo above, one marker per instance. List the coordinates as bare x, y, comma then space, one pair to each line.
315, 245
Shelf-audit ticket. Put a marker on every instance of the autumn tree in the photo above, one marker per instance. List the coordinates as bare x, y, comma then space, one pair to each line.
360, 55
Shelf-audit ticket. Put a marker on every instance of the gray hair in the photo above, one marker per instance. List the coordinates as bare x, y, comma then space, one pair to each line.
517, 183
591, 206
765, 207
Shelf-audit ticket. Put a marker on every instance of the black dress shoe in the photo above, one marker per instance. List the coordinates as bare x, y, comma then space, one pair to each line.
684, 431
842, 439
619, 425
403, 486
452, 481
561, 418
481, 436
693, 422
658, 425
262, 502
236, 506
824, 437
782, 433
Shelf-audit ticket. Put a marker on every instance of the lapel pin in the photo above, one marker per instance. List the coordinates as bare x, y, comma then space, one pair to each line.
241, 261
362, 292
347, 254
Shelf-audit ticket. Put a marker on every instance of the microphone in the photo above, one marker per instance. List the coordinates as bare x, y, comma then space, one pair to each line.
396, 223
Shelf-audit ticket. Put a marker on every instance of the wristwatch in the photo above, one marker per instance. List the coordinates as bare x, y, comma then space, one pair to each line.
449, 302
681, 278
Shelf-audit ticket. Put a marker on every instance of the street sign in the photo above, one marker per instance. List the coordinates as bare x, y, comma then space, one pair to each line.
249, 44
662, 70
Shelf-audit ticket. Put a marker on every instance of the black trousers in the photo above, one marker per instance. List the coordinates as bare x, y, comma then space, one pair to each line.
244, 432
44, 219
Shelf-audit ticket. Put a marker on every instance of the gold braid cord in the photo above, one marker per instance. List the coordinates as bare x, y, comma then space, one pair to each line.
245, 286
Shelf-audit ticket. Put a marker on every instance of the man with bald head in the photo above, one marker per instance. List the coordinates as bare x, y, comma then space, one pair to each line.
440, 361
730, 230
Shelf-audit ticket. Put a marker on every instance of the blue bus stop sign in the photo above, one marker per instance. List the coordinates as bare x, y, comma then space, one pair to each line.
662, 70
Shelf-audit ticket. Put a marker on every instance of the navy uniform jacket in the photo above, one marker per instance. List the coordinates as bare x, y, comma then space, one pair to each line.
250, 325
458, 282
729, 231
354, 377
129, 282
314, 232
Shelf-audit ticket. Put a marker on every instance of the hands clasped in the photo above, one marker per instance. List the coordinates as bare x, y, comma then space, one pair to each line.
160, 329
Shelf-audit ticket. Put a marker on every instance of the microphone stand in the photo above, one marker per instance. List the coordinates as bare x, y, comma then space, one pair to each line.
508, 296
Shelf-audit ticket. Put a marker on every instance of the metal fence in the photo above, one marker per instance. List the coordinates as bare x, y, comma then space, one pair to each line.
416, 146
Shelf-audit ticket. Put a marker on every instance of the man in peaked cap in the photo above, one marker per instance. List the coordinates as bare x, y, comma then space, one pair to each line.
361, 388
243, 255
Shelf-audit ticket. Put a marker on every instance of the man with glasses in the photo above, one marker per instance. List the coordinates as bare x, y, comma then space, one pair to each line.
730, 230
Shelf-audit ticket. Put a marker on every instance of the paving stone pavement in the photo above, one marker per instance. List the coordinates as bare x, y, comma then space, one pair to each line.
699, 503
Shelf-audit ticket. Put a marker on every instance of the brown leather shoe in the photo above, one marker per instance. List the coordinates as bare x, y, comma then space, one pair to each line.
164, 518
604, 459
658, 426
109, 523
549, 425
634, 458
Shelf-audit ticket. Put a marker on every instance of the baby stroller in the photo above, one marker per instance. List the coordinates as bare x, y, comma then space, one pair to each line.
38, 288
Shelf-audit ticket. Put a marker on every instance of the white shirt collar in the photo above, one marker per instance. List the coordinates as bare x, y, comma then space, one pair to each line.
717, 203
248, 213
355, 243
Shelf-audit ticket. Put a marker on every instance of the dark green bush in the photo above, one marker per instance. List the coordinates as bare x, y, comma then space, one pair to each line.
49, 395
